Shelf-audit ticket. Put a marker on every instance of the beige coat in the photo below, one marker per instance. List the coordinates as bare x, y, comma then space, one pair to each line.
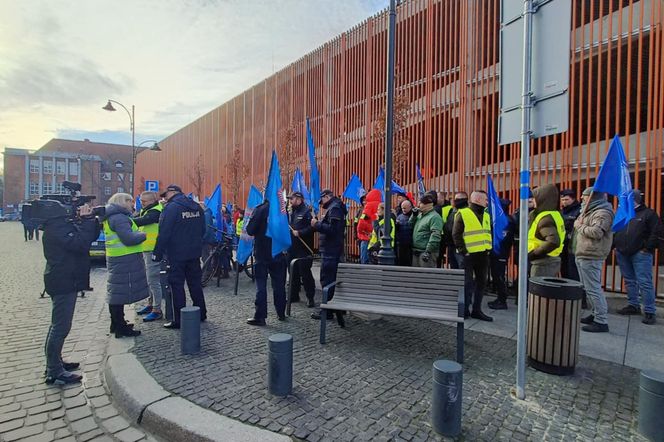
592, 231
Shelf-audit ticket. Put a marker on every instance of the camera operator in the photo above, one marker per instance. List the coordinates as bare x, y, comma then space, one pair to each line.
66, 245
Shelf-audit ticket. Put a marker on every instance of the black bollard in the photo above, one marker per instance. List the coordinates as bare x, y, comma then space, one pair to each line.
651, 404
190, 330
280, 369
166, 290
446, 400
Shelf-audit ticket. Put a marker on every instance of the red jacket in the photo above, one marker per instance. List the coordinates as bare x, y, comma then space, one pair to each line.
365, 224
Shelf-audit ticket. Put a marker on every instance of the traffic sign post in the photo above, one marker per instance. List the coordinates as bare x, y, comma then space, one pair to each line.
540, 109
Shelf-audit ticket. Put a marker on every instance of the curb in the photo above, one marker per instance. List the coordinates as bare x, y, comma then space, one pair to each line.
170, 417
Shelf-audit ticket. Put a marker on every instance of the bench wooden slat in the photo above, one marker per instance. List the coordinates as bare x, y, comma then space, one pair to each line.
399, 283
391, 311
406, 292
395, 303
373, 274
377, 296
400, 269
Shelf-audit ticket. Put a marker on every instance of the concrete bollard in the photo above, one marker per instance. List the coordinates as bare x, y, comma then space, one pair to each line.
446, 400
651, 404
280, 367
190, 330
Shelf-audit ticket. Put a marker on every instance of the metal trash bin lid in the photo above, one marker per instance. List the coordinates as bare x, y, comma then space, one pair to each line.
652, 381
555, 288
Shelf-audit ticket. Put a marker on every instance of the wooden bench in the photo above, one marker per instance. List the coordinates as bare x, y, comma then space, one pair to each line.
411, 292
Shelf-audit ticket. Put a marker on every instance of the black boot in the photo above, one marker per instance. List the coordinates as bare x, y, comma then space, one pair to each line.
340, 319
126, 332
498, 304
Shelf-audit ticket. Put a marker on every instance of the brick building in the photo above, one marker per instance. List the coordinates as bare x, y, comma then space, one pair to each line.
102, 169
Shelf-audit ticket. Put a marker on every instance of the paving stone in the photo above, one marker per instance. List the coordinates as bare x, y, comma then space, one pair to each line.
83, 425
106, 412
130, 435
11, 425
6, 417
100, 401
75, 414
115, 424
36, 419
55, 424
46, 436
22, 433
91, 434
76, 401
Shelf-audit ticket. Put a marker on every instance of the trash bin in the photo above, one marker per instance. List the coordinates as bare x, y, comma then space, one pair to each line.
651, 403
554, 309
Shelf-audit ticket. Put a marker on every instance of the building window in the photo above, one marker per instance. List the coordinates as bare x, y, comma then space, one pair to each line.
119, 164
34, 166
60, 167
73, 168
106, 176
120, 189
60, 189
48, 166
121, 177
48, 188
107, 190
34, 188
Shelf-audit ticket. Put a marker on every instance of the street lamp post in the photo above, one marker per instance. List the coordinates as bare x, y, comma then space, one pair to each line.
109, 107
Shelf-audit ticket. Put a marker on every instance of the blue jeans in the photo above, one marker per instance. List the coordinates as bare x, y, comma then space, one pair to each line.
364, 252
637, 273
276, 268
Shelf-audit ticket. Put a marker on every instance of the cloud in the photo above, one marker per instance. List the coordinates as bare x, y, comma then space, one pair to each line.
174, 60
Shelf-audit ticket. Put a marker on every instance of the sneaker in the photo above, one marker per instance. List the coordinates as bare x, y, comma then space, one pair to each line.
64, 379
153, 316
145, 310
596, 327
257, 322
629, 310
497, 305
649, 319
68, 366
588, 319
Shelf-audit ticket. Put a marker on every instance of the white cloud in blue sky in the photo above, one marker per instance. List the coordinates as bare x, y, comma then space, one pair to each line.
173, 59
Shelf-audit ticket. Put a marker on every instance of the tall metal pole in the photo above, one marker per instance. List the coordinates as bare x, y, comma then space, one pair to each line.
133, 149
526, 105
386, 254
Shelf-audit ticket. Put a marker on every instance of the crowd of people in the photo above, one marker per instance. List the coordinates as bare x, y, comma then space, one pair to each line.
171, 233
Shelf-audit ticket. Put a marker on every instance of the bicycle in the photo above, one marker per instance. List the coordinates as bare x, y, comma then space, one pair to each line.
223, 251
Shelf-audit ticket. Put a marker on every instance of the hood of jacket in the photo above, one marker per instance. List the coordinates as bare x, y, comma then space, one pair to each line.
547, 198
115, 209
184, 201
374, 196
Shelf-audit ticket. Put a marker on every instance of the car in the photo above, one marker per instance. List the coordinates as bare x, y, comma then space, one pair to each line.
2, 219
98, 247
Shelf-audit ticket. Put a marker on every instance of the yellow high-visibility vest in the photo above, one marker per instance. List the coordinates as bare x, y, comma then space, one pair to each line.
373, 239
445, 212
476, 236
115, 247
151, 230
238, 226
534, 242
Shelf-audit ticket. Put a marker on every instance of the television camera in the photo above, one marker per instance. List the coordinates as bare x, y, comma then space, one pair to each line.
59, 206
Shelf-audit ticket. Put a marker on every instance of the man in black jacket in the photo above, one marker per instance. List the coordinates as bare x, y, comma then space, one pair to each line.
498, 261
635, 246
454, 259
265, 264
180, 241
332, 230
66, 247
302, 245
570, 209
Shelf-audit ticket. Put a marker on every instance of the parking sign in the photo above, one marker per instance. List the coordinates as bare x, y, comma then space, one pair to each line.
151, 186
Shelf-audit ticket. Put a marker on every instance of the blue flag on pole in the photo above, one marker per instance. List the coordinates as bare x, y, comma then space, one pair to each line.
613, 178
379, 184
246, 242
499, 220
137, 201
314, 177
420, 181
299, 185
215, 207
354, 189
277, 220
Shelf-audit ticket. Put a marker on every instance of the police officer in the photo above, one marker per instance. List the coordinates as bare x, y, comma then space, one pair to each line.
331, 229
265, 264
302, 245
180, 241
472, 238
148, 222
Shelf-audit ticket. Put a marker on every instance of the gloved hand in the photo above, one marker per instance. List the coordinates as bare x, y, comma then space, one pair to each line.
425, 256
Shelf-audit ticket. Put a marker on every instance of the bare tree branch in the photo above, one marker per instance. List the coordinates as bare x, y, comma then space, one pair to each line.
236, 172
401, 139
287, 155
197, 175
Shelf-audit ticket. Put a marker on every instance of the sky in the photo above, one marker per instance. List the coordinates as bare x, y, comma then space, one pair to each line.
175, 60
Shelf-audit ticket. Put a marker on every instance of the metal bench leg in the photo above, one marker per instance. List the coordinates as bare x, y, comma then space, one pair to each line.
459, 334
323, 325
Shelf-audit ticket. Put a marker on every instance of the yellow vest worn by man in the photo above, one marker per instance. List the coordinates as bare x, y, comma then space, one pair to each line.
476, 236
151, 230
374, 239
534, 242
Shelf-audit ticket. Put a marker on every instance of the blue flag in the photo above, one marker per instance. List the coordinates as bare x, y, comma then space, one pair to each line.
395, 188
277, 219
215, 207
246, 242
299, 185
499, 219
137, 201
354, 189
420, 181
613, 178
314, 177
380, 184
190, 195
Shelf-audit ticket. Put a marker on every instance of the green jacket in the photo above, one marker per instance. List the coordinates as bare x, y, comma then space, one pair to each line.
426, 232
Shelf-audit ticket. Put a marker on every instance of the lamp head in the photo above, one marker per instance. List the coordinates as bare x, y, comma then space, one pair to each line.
155, 148
109, 107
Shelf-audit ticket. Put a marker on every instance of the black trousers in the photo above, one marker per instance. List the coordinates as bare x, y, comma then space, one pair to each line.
476, 267
405, 255
276, 269
189, 271
452, 257
328, 272
301, 276
117, 316
498, 269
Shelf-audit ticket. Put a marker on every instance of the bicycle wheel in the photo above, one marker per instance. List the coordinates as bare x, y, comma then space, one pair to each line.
249, 268
210, 267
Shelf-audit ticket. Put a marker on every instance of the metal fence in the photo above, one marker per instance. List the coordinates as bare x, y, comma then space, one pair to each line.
447, 68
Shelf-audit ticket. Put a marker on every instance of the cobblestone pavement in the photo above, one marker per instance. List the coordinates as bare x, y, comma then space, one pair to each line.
372, 381
29, 409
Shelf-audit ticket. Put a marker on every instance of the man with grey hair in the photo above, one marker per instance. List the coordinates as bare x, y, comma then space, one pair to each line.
591, 244
148, 222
